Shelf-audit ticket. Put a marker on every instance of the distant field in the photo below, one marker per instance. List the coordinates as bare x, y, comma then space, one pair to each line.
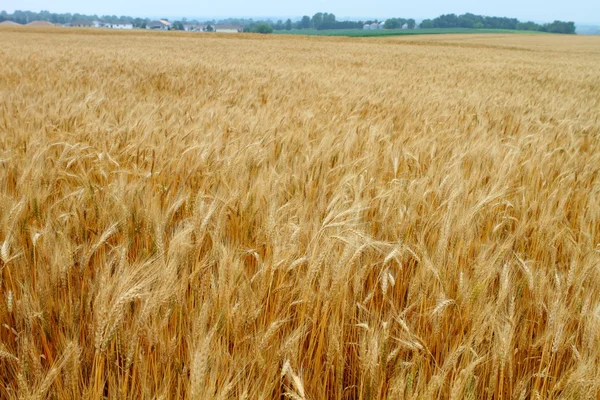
394, 32
206, 216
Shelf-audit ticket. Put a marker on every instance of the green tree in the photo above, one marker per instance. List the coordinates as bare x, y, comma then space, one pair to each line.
446, 21
263, 28
139, 23
426, 24
305, 22
288, 25
328, 21
411, 23
528, 26
391, 23
317, 20
209, 28
559, 27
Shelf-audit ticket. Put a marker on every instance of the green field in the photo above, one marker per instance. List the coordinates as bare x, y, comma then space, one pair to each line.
392, 32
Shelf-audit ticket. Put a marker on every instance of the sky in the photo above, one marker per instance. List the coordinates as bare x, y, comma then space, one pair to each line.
537, 10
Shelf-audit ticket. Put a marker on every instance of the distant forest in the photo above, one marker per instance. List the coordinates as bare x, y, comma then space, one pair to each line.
319, 21
25, 17
483, 22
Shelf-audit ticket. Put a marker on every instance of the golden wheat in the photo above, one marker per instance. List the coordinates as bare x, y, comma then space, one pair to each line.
204, 216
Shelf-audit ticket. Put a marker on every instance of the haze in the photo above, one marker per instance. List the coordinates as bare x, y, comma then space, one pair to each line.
537, 10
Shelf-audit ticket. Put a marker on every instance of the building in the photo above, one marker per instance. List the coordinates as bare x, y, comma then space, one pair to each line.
82, 24
374, 26
194, 27
228, 28
161, 25
120, 25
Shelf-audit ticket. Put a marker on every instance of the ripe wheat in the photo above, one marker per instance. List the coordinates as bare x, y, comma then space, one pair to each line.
197, 216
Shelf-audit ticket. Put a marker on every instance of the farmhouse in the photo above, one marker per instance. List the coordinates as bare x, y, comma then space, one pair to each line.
194, 27
374, 26
120, 25
161, 25
82, 24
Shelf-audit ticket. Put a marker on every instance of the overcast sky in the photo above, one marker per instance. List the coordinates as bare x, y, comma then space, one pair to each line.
537, 10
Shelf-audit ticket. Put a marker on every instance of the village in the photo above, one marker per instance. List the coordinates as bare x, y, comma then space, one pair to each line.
165, 25
158, 25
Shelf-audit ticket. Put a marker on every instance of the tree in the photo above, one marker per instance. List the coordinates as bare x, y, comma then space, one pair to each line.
426, 24
328, 21
411, 23
263, 28
139, 23
528, 26
177, 25
469, 20
317, 20
19, 17
559, 27
392, 23
209, 28
305, 22
288, 25
446, 21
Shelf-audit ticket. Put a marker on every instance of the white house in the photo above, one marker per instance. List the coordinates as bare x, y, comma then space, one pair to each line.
193, 27
120, 26
109, 25
374, 26
228, 28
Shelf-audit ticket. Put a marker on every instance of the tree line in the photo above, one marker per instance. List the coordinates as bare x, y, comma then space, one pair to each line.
319, 21
483, 22
323, 21
25, 17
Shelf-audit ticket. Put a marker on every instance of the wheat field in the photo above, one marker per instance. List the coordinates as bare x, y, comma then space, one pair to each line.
194, 216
